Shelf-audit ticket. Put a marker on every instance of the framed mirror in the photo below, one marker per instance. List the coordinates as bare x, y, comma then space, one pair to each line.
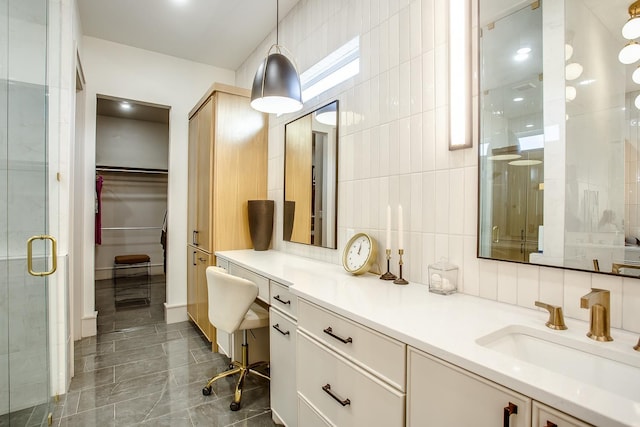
311, 178
559, 136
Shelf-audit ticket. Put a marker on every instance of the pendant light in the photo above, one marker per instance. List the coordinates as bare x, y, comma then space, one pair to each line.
276, 85
631, 30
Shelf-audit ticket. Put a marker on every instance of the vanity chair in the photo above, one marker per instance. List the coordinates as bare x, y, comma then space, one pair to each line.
232, 308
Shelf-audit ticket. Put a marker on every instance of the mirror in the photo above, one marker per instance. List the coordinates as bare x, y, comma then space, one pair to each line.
311, 177
559, 136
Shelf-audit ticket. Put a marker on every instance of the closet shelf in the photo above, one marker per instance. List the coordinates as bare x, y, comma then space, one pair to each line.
131, 228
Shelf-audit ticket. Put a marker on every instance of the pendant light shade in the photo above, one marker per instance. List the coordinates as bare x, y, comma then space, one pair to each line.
276, 86
631, 30
630, 53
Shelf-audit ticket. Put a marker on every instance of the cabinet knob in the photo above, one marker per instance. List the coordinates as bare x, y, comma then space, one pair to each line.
509, 410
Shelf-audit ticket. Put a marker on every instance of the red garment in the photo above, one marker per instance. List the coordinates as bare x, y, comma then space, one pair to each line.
99, 181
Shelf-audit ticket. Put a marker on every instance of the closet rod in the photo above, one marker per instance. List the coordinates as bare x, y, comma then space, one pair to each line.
131, 170
131, 228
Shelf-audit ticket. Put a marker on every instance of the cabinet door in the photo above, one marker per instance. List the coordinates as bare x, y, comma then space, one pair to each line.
203, 260
440, 394
545, 416
192, 298
204, 175
192, 183
283, 368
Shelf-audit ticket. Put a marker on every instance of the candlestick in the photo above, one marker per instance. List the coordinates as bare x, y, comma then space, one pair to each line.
400, 245
388, 247
400, 280
388, 275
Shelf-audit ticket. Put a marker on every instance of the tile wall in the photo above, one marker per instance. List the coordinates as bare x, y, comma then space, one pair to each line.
394, 150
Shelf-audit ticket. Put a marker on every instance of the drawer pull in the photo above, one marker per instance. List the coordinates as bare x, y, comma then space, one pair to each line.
509, 410
329, 331
277, 328
550, 424
327, 389
277, 298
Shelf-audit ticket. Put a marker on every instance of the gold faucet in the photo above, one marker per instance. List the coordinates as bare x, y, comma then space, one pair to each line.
637, 346
598, 301
556, 320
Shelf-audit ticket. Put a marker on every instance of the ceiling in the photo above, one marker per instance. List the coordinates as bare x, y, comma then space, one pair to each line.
222, 33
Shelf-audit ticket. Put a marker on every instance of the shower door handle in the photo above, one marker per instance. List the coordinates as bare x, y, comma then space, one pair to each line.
54, 255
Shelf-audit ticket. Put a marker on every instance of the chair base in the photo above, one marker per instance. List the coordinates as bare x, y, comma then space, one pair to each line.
242, 368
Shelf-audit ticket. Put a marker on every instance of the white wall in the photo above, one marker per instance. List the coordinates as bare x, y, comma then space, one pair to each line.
121, 71
394, 150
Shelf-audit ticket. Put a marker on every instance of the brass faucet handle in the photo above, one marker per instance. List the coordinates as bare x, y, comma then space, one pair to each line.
556, 319
637, 346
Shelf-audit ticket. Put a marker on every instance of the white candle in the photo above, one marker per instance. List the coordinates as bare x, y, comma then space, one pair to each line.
400, 245
388, 227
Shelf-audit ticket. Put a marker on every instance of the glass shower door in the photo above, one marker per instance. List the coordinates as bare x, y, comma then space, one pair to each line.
25, 390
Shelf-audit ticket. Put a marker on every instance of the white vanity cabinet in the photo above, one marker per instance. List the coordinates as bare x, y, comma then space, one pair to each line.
545, 416
350, 374
282, 326
441, 394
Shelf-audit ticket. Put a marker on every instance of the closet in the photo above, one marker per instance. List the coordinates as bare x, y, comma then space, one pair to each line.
227, 167
132, 141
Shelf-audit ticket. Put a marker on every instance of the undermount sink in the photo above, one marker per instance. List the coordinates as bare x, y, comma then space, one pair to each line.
595, 363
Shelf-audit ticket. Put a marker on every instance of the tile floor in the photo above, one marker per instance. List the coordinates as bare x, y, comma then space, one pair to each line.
140, 371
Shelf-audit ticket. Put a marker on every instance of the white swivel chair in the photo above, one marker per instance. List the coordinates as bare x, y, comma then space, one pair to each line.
232, 308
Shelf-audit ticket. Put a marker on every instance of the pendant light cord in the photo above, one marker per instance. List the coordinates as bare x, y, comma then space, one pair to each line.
277, 19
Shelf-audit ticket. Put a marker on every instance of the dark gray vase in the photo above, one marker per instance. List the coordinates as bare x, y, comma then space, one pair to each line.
261, 223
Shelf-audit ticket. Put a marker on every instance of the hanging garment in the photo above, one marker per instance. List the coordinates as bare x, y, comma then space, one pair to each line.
163, 240
98, 233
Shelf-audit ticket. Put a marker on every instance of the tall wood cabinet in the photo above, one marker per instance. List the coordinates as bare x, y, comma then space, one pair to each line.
227, 167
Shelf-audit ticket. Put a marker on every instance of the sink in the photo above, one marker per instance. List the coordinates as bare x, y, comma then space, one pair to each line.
599, 364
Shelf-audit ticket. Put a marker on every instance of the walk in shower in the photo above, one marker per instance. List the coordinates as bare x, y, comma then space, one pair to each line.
24, 330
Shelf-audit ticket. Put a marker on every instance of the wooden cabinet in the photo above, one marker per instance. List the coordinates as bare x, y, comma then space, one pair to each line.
227, 167
441, 394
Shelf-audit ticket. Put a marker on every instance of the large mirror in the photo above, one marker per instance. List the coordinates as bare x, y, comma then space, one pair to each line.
559, 139
311, 177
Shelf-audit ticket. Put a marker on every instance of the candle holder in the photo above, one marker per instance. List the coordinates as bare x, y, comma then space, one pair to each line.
400, 280
388, 275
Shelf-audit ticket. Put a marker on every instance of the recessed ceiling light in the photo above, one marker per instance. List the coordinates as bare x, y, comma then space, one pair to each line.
522, 53
587, 82
529, 125
518, 99
125, 105
523, 50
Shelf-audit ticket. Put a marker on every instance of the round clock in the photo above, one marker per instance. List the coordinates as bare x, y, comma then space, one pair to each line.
359, 253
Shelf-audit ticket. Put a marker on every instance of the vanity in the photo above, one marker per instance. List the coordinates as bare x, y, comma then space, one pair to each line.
358, 351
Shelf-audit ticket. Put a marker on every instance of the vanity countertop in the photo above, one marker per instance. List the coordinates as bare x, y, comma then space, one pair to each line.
448, 327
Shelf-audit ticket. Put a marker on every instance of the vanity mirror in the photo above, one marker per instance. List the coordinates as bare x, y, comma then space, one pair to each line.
559, 136
311, 177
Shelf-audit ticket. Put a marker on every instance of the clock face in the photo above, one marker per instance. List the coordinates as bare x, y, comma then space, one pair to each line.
359, 254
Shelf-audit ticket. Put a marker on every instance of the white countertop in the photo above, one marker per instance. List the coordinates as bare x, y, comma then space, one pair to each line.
447, 327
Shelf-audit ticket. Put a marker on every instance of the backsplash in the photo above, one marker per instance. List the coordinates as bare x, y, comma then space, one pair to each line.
393, 150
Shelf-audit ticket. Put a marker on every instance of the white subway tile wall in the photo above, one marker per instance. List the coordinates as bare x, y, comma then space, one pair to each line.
394, 151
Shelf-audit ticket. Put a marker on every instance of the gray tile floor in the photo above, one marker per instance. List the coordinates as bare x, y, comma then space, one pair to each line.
140, 371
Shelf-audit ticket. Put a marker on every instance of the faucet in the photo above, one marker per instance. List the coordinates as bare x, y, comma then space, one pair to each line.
598, 301
556, 320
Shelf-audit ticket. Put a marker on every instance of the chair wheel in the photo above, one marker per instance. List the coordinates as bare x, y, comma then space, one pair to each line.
234, 406
206, 391
231, 366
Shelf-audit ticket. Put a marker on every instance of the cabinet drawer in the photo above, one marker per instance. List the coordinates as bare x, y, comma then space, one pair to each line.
343, 393
308, 417
283, 367
544, 416
283, 299
377, 352
221, 262
261, 281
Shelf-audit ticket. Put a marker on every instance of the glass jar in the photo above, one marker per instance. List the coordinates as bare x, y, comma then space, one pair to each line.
443, 278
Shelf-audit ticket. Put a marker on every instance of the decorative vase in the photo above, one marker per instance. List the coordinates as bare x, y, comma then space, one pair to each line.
260, 223
289, 214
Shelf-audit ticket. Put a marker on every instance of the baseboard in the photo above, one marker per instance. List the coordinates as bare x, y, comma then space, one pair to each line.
90, 325
175, 313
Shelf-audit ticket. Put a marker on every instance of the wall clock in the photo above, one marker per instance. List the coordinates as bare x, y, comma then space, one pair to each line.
359, 253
